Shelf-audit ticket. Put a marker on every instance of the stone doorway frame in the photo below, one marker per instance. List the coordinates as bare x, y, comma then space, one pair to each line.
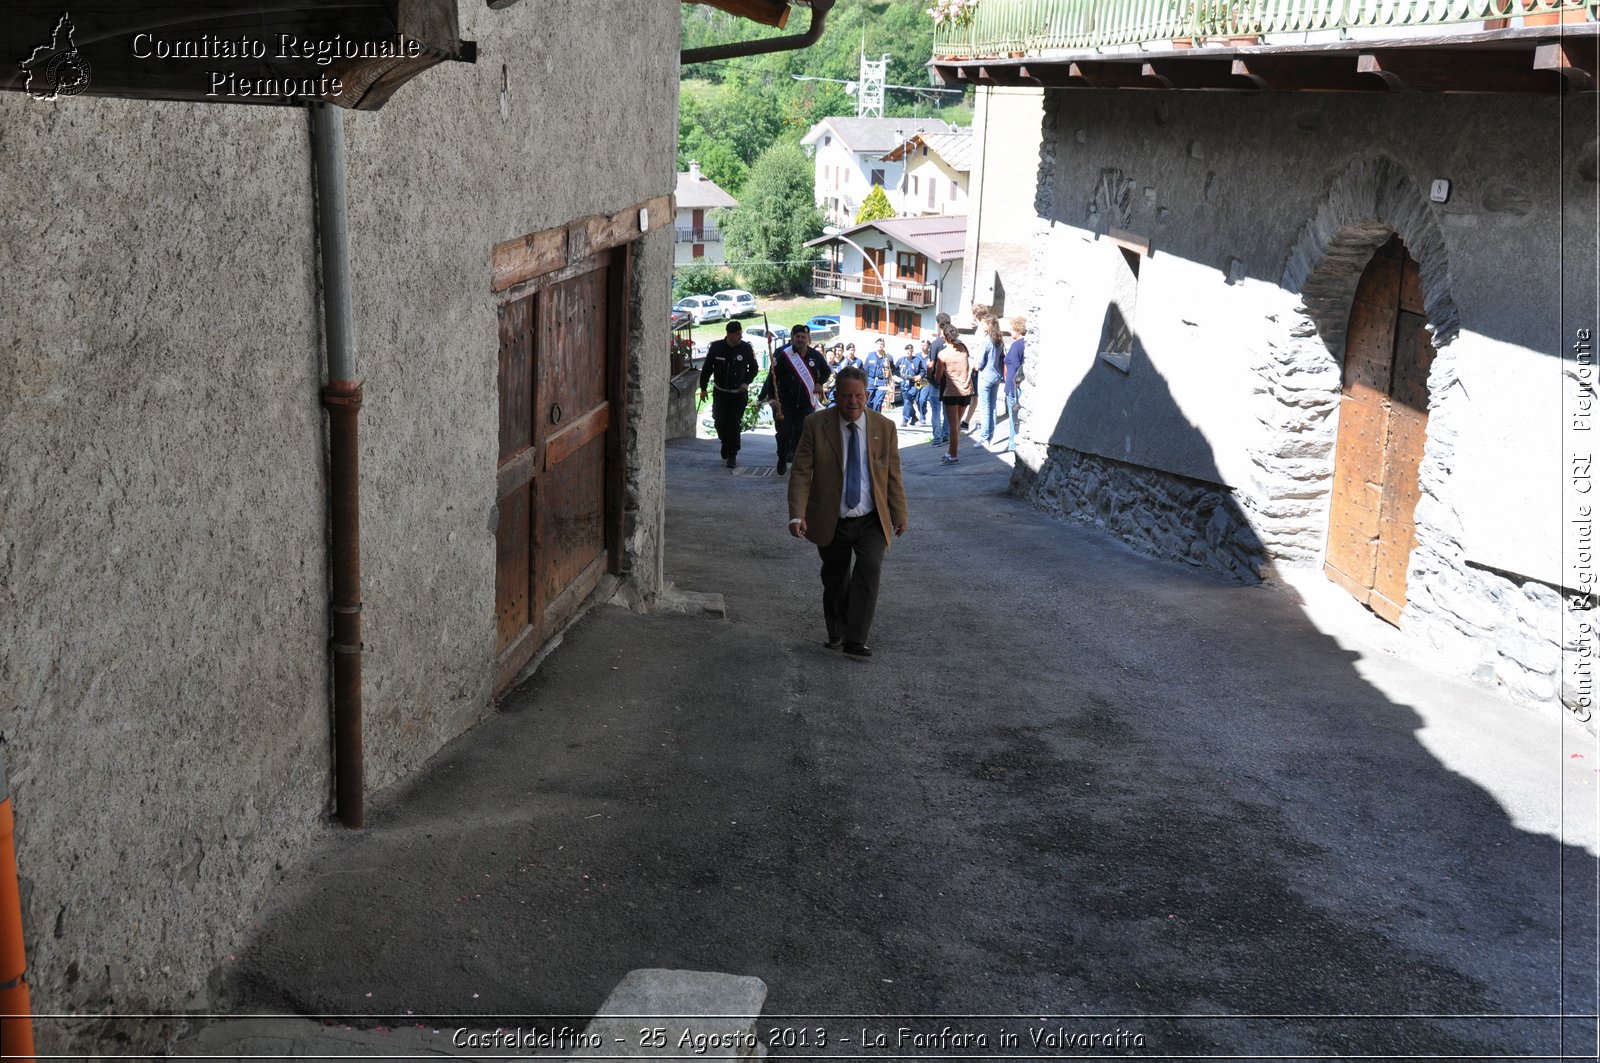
1298, 400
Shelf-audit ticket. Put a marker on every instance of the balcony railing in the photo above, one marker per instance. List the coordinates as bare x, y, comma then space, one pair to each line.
706, 234
1031, 27
825, 281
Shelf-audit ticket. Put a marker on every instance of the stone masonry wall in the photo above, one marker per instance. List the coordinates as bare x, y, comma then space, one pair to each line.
1262, 213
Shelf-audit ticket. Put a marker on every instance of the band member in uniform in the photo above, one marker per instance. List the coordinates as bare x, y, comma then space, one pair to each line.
911, 371
730, 366
799, 373
879, 369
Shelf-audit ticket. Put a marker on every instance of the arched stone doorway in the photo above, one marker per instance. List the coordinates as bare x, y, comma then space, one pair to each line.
1383, 422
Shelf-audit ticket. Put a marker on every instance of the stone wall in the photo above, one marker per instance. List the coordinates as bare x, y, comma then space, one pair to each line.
1261, 213
163, 587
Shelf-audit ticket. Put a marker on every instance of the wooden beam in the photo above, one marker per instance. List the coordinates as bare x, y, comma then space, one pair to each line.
538, 254
1304, 73
766, 12
1573, 60
1455, 70
1111, 75
1195, 74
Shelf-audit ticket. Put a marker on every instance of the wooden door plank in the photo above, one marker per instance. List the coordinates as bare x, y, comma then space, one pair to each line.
619, 288
572, 437
516, 376
515, 471
572, 525
565, 605
511, 580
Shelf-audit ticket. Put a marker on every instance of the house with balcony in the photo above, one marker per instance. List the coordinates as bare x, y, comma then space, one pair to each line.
934, 175
894, 276
1306, 292
696, 237
850, 159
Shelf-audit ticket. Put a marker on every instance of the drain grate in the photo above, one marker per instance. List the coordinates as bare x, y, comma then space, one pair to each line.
755, 470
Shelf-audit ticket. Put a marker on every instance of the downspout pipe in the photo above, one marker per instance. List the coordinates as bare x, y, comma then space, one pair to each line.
16, 1024
341, 397
793, 42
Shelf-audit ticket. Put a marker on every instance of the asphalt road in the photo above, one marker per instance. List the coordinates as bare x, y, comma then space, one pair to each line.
1075, 791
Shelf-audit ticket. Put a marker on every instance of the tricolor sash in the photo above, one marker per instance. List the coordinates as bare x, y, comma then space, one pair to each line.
803, 372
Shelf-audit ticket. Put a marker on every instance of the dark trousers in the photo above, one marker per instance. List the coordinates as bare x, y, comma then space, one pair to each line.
727, 412
850, 591
788, 432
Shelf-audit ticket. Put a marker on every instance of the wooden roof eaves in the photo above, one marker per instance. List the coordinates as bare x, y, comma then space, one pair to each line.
1531, 60
767, 12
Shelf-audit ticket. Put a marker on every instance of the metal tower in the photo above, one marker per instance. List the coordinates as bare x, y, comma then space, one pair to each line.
869, 92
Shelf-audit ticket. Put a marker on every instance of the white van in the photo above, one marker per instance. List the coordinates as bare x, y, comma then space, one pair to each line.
736, 302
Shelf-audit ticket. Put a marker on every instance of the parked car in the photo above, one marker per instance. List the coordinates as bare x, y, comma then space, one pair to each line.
823, 327
681, 319
736, 302
701, 308
757, 335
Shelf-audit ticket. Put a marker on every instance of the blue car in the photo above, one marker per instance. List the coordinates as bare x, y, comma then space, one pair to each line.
823, 326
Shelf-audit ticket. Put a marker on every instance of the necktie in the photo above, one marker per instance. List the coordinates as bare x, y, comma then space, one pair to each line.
852, 472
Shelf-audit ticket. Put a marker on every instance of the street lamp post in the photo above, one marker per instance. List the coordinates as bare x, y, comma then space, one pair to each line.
837, 234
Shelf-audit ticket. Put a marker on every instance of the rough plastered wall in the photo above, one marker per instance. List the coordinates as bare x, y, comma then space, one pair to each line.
162, 587
1260, 212
163, 593
1006, 128
467, 156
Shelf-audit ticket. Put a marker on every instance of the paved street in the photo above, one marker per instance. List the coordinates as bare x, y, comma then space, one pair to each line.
1074, 790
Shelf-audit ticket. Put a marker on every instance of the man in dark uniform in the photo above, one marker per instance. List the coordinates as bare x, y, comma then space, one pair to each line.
878, 367
912, 371
730, 366
796, 396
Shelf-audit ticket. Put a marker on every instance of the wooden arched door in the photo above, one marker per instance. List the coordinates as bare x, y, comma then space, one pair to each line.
1383, 421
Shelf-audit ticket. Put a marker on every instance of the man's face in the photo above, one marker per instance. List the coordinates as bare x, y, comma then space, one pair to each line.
881, 347
801, 339
851, 398
735, 334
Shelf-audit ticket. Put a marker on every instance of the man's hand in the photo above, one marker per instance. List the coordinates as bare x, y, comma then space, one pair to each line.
797, 528
900, 529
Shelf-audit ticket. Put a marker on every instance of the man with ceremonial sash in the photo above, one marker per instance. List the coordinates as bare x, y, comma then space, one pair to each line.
798, 374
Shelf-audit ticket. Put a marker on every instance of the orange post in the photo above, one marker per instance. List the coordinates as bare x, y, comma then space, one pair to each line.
16, 1021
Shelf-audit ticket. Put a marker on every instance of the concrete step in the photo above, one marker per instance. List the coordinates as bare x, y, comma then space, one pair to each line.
655, 1013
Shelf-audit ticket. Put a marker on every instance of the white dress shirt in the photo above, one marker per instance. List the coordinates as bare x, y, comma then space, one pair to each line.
866, 505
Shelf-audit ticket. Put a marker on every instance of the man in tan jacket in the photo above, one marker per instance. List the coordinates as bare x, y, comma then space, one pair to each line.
846, 495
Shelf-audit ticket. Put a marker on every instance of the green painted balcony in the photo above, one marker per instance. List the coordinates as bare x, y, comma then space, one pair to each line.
1033, 28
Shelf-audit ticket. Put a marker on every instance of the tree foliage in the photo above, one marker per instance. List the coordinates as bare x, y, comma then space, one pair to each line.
875, 206
701, 278
740, 107
765, 235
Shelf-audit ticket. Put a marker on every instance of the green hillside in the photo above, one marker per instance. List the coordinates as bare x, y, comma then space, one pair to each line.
732, 110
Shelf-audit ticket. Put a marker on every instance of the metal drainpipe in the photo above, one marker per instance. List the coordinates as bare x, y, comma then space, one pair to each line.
793, 42
16, 1029
342, 399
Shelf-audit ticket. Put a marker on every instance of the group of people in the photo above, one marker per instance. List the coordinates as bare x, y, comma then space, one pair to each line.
846, 494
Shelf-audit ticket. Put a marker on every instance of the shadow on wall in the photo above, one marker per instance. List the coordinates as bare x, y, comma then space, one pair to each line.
1125, 459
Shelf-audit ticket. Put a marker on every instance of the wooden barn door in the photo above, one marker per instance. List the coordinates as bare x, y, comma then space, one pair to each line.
1383, 422
559, 473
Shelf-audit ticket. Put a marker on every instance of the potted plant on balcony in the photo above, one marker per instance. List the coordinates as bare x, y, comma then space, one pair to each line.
957, 14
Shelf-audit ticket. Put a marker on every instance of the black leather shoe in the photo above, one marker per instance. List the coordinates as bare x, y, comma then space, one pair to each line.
833, 644
856, 649
782, 467
731, 462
